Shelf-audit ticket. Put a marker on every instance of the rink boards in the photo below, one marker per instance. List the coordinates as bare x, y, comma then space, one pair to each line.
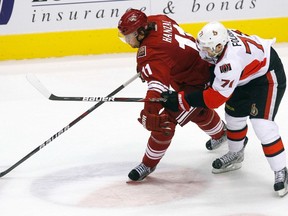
102, 41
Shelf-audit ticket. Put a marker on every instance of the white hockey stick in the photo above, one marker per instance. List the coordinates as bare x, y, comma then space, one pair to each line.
38, 85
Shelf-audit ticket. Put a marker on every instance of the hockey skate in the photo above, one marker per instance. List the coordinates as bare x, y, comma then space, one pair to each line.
213, 144
281, 181
230, 161
140, 172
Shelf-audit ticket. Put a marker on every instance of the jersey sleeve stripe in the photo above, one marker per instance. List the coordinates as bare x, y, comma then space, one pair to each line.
252, 68
157, 86
213, 99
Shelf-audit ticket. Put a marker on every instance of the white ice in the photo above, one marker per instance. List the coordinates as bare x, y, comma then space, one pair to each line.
83, 172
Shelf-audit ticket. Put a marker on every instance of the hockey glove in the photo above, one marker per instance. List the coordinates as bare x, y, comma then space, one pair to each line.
155, 122
175, 101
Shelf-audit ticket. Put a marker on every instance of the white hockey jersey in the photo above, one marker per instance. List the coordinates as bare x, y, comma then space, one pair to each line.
244, 59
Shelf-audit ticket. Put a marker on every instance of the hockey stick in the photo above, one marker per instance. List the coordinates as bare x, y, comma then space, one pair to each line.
67, 127
46, 93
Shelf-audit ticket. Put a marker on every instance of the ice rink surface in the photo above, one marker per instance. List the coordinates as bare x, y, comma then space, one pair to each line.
84, 171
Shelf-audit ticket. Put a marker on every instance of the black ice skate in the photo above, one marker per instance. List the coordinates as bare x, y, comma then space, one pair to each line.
230, 161
281, 180
213, 144
140, 172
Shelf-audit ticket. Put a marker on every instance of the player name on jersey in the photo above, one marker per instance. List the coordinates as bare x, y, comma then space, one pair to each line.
167, 31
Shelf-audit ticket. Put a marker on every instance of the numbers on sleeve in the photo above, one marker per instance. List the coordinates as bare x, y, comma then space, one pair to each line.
146, 70
227, 82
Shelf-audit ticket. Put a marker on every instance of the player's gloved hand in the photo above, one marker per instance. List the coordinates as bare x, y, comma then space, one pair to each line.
155, 122
175, 101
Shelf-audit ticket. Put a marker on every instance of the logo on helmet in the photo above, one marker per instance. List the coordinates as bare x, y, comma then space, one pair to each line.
133, 18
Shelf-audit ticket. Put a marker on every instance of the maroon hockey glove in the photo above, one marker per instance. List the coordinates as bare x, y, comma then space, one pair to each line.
175, 101
155, 122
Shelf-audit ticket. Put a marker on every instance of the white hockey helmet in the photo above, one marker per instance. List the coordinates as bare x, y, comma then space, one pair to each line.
211, 35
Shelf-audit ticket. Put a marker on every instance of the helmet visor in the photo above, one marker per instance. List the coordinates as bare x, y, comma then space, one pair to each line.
207, 55
127, 38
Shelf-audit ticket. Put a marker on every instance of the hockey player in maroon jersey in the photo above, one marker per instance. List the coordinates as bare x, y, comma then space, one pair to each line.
167, 57
250, 78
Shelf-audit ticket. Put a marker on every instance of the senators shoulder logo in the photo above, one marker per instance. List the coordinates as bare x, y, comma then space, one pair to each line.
225, 68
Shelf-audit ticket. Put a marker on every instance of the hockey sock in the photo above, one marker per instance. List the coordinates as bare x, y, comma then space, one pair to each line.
209, 121
236, 138
155, 150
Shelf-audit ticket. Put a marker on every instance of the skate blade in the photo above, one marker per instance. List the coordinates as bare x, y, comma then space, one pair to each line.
282, 192
129, 181
229, 168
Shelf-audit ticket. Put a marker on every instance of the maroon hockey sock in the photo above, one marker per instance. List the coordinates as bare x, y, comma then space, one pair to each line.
155, 150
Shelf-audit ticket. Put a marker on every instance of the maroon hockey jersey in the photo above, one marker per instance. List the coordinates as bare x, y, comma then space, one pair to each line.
168, 57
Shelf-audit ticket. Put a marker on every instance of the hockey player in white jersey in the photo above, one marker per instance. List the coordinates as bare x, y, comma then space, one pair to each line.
250, 80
